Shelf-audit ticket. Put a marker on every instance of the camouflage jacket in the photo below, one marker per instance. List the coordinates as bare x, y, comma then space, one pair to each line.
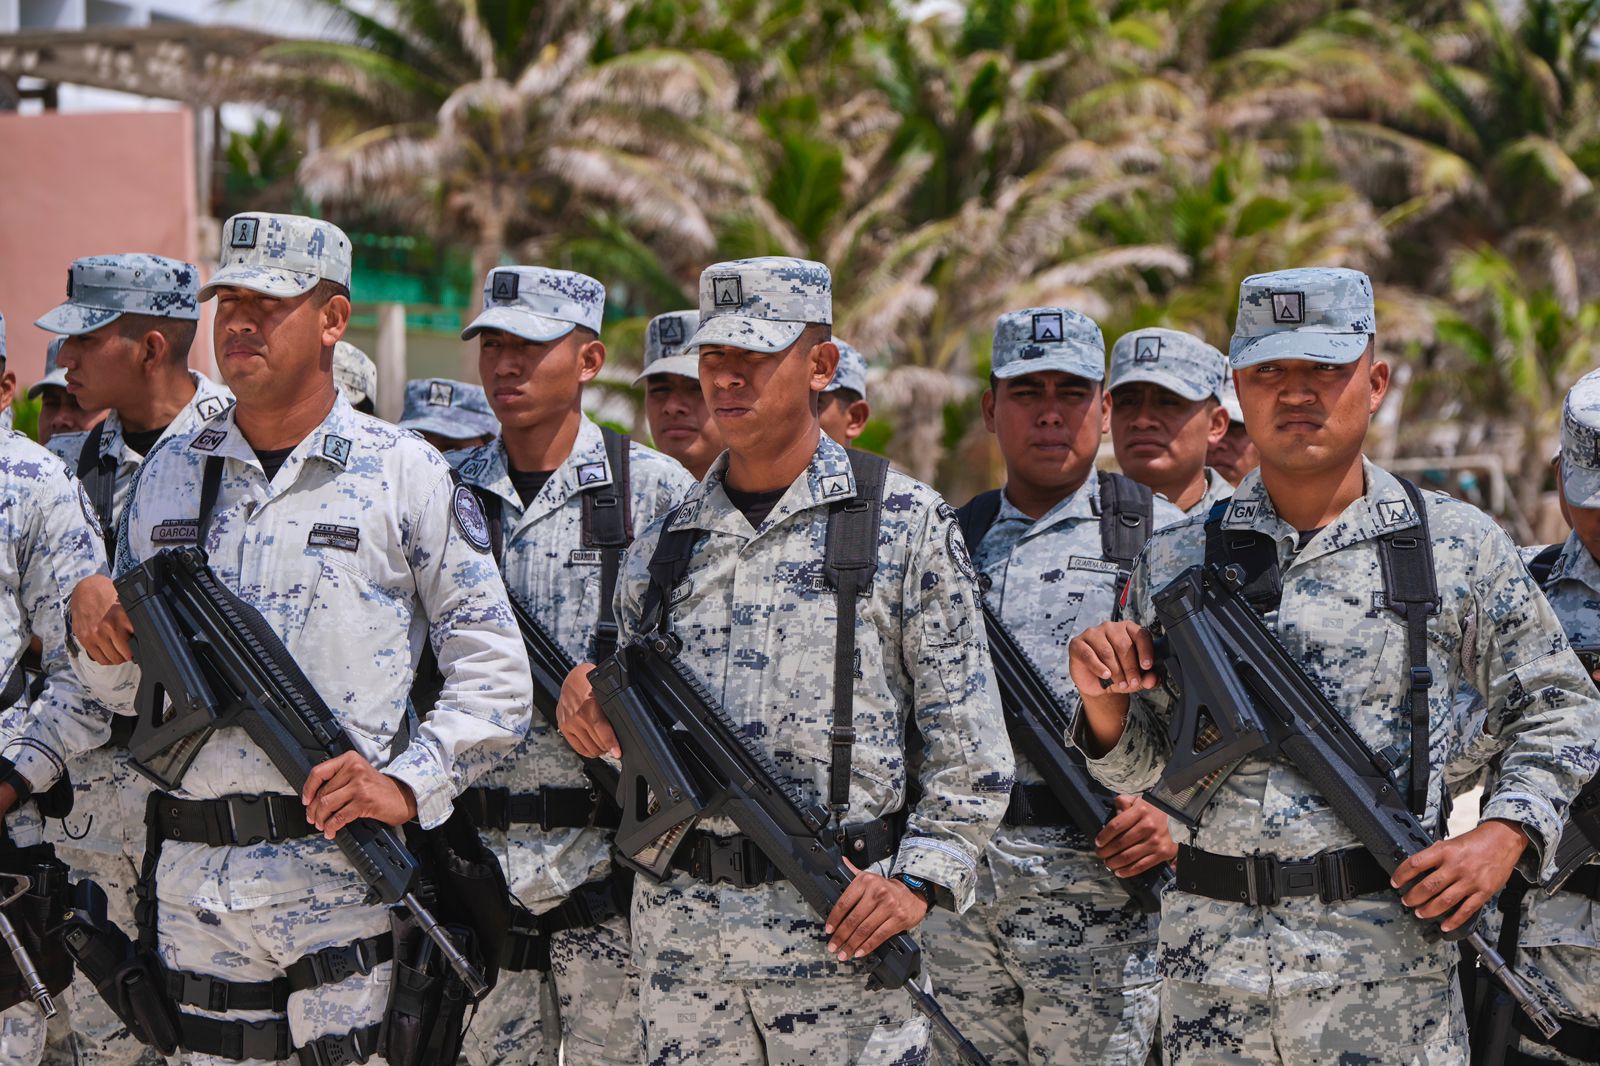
757, 623
358, 551
1048, 582
547, 568
1494, 632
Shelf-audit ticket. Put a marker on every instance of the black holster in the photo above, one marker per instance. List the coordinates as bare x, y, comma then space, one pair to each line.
131, 979
37, 920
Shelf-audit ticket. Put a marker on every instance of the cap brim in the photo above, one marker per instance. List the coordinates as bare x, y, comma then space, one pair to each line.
457, 427
56, 379
74, 320
525, 324
284, 284
684, 366
1060, 364
1580, 486
1298, 345
1235, 412
763, 335
1166, 380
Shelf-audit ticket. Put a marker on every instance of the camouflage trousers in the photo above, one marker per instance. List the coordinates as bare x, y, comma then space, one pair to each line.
257, 943
1409, 1020
1061, 977
1566, 977
779, 1021
590, 997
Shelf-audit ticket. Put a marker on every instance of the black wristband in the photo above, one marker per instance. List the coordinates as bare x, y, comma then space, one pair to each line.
921, 886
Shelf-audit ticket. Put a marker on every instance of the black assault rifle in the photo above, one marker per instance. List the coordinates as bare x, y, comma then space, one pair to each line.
1242, 694
208, 660
684, 760
1580, 840
1038, 723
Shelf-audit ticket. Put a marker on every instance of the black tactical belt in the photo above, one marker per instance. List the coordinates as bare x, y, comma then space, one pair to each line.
269, 1039
528, 947
1266, 880
736, 860
548, 808
1036, 805
325, 967
268, 818
1586, 882
1575, 1040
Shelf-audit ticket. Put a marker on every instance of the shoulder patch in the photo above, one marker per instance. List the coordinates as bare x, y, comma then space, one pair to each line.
956, 545
591, 473
946, 512
208, 441
1394, 512
470, 518
88, 507
835, 485
211, 407
336, 448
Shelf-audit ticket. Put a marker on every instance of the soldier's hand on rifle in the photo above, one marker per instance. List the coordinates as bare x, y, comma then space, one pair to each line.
580, 719
1136, 839
99, 624
1107, 662
1459, 875
348, 787
871, 910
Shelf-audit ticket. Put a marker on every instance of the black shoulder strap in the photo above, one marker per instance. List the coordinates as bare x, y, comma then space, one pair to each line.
607, 527
1127, 514
669, 564
976, 516
210, 488
1254, 553
100, 481
1411, 590
850, 560
1541, 566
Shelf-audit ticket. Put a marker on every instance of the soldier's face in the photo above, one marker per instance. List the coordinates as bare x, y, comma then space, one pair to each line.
1309, 417
102, 367
680, 423
764, 402
1048, 426
1161, 437
1234, 455
270, 349
530, 383
59, 412
1585, 521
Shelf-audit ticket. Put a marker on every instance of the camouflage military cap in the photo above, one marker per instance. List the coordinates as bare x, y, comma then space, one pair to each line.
1322, 314
280, 255
102, 288
354, 373
852, 371
666, 346
55, 375
762, 305
1178, 362
1230, 401
453, 409
538, 304
1580, 443
1037, 339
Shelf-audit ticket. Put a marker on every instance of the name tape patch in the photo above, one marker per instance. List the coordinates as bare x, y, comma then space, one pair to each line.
324, 535
584, 557
175, 531
1099, 566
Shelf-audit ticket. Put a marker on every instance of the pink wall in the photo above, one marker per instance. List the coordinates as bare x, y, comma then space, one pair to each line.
89, 184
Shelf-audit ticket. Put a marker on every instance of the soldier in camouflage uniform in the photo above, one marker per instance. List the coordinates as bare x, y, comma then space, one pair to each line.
539, 345
450, 415
48, 543
1053, 964
747, 972
60, 413
352, 540
1555, 944
680, 424
843, 409
127, 327
1166, 414
1285, 976
356, 376
1235, 454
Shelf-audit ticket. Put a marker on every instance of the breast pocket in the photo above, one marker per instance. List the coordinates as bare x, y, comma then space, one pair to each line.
356, 644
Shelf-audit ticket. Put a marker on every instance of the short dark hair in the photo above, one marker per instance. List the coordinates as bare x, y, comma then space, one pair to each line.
179, 332
327, 290
585, 334
842, 396
815, 333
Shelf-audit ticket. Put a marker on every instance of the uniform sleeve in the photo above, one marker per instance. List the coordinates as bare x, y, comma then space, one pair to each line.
485, 705
62, 550
665, 486
966, 768
1134, 763
1541, 705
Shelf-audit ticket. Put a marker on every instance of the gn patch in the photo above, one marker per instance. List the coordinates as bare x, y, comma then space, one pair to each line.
208, 441
325, 535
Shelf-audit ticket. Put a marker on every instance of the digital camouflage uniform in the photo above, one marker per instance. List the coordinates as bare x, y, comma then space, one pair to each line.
356, 553
735, 975
457, 410
666, 346
1053, 964
1360, 981
103, 839
1181, 363
354, 373
557, 579
851, 373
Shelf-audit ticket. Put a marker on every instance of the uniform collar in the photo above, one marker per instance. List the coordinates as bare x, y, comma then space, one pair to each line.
208, 401
585, 467
827, 479
1217, 490
332, 442
1083, 504
1383, 508
1576, 564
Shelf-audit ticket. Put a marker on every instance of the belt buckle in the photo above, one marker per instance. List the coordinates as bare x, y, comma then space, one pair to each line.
265, 1039
203, 991
250, 819
1298, 878
333, 1050
733, 861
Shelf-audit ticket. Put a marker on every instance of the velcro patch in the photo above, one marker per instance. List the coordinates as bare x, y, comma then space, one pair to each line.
1289, 308
323, 535
1047, 327
505, 285
1243, 511
1394, 512
441, 393
591, 473
336, 448
175, 531
208, 441
1147, 349
1099, 566
727, 290
244, 233
670, 330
